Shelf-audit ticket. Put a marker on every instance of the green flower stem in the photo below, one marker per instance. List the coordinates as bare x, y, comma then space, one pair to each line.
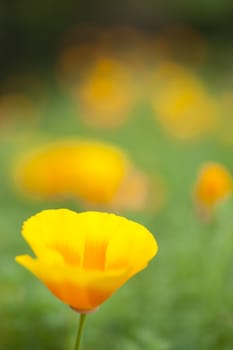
80, 331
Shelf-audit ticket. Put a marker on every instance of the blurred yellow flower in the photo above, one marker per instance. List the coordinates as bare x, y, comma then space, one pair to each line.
105, 95
104, 71
83, 258
89, 170
214, 184
98, 171
44, 172
95, 173
181, 102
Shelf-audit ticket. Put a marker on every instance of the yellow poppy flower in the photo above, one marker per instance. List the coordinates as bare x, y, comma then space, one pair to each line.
83, 258
213, 184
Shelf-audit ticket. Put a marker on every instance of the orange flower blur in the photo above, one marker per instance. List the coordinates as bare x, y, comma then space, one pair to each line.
213, 185
83, 258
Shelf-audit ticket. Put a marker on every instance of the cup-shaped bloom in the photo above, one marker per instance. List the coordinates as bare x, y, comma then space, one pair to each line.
83, 258
214, 184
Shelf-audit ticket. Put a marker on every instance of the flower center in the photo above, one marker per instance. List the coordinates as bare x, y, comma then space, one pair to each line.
94, 255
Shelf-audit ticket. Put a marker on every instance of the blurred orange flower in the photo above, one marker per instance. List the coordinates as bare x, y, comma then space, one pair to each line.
213, 185
83, 258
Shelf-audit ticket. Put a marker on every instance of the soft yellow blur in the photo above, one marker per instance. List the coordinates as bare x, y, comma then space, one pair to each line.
89, 170
181, 102
105, 95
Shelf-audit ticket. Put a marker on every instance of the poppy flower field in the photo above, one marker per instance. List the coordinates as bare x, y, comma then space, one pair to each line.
139, 130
